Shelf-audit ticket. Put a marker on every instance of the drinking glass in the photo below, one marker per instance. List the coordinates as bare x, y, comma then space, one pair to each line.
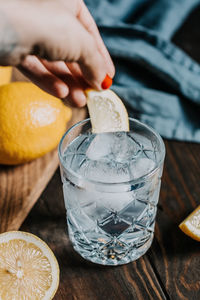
111, 184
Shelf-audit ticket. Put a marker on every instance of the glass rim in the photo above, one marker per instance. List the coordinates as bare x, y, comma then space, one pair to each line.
130, 182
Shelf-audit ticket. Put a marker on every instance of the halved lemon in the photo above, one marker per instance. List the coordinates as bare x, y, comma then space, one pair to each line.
107, 111
28, 267
191, 225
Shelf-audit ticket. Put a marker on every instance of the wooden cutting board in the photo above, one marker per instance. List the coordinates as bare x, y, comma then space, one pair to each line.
21, 186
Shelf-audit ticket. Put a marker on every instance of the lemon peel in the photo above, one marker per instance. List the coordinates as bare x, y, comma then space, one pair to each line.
107, 111
191, 225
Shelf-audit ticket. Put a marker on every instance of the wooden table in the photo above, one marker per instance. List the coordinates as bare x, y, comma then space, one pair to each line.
171, 268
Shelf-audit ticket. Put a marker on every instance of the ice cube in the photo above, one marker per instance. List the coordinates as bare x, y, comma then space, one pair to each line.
104, 171
100, 146
133, 211
141, 167
142, 140
116, 146
115, 201
109, 156
74, 155
125, 147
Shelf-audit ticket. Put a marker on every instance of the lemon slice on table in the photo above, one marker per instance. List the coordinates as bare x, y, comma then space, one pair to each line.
28, 267
107, 111
191, 225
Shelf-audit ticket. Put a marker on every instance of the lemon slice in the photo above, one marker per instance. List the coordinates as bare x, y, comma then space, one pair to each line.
107, 111
28, 267
191, 225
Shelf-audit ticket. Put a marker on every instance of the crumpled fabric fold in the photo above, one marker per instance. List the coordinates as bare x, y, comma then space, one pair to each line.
159, 83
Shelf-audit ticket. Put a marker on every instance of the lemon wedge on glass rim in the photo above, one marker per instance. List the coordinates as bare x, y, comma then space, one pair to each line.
28, 267
107, 111
191, 225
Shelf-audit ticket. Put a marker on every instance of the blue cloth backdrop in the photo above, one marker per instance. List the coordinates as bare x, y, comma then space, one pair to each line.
159, 83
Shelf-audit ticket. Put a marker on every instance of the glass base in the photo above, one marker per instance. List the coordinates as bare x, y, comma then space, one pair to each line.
113, 253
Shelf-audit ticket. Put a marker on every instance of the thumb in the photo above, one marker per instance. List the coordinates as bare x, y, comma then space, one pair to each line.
68, 40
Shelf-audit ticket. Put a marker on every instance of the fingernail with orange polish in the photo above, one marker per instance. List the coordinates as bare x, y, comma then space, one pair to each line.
107, 82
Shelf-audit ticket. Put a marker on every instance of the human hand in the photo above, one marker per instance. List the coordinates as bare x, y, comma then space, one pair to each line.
56, 44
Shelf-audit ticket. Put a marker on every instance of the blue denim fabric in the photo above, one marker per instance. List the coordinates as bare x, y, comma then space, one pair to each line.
159, 83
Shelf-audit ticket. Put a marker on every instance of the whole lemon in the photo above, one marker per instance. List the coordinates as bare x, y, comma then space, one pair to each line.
5, 75
31, 122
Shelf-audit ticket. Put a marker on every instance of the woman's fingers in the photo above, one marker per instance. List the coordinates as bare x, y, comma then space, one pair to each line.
76, 88
55, 78
77, 73
88, 22
74, 45
81, 12
32, 68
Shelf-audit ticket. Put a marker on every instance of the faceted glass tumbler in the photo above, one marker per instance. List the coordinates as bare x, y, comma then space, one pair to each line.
112, 223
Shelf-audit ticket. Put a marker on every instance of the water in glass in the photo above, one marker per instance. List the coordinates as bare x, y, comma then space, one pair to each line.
111, 206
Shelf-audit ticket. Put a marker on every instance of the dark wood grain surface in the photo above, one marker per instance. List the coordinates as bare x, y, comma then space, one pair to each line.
171, 268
